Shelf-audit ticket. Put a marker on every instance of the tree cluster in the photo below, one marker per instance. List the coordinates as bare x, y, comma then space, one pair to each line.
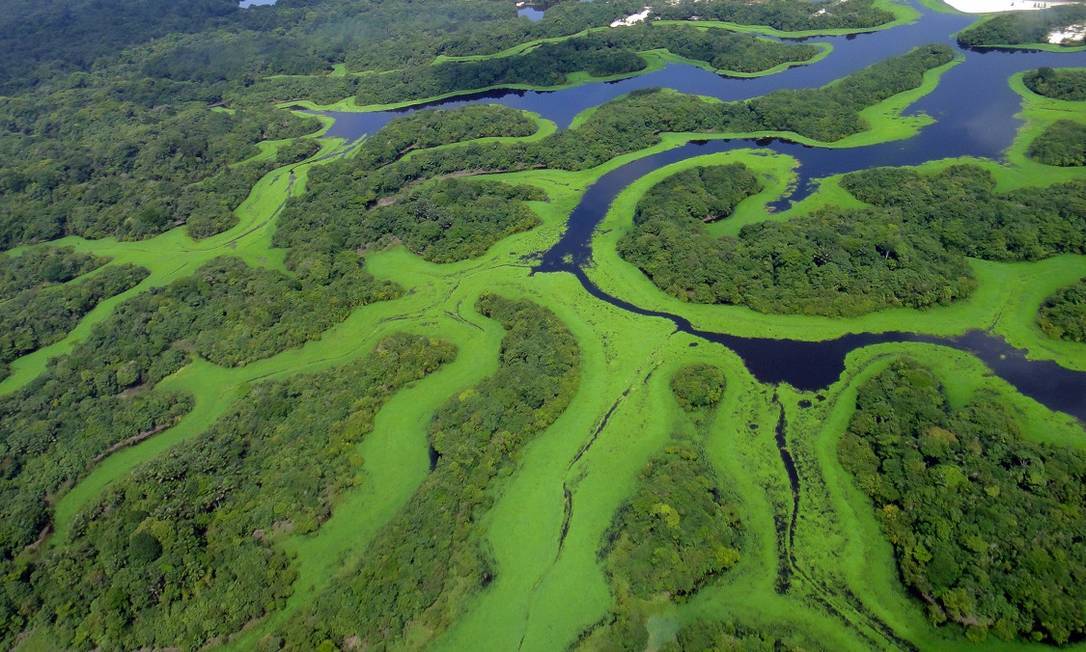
38, 317
96, 166
1058, 83
1062, 143
1063, 315
101, 394
719, 636
43, 266
986, 524
960, 207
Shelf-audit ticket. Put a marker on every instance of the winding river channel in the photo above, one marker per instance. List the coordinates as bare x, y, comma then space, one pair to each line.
974, 110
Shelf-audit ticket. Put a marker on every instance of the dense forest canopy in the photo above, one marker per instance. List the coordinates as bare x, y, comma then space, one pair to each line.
1058, 83
986, 524
835, 262
102, 166
1063, 315
42, 267
189, 544
38, 317
1062, 143
101, 394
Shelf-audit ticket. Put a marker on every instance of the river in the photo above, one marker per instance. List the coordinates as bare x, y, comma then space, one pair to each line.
974, 110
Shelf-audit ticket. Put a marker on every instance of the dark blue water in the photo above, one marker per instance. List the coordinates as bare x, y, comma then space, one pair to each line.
974, 110
531, 13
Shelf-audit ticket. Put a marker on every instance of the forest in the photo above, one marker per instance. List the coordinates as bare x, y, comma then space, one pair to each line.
986, 524
188, 546
1063, 315
1062, 143
1058, 83
35, 317
709, 635
600, 54
102, 393
680, 530
315, 432
116, 168
1021, 28
835, 262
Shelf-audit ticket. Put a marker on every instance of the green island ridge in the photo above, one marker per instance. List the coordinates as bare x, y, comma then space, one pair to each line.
263, 388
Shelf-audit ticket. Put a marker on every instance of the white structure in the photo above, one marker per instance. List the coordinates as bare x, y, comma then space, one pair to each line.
632, 19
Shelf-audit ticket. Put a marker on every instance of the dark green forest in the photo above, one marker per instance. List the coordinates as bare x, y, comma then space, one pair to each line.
102, 166
986, 524
731, 637
1062, 143
186, 549
101, 394
37, 317
43, 267
1063, 315
198, 427
1058, 83
1021, 27
961, 208
835, 262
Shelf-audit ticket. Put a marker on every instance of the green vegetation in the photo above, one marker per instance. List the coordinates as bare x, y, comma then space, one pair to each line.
189, 545
43, 267
676, 532
259, 444
100, 397
1058, 83
1028, 29
712, 635
127, 170
962, 209
1063, 143
982, 520
428, 561
831, 263
435, 127
600, 54
698, 387
38, 317
1063, 315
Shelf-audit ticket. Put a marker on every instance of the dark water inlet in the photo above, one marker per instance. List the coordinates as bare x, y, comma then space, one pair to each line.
974, 109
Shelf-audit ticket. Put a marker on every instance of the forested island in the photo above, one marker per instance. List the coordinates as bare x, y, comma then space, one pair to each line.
326, 325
